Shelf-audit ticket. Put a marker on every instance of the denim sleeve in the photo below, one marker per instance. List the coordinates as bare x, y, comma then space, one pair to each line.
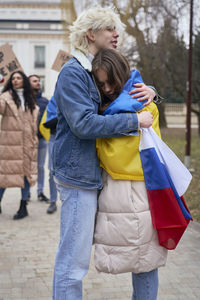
75, 103
135, 132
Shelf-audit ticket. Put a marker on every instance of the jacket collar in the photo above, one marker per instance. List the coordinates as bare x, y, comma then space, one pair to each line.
82, 58
39, 94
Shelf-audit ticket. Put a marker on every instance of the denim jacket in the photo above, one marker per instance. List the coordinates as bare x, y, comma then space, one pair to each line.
74, 153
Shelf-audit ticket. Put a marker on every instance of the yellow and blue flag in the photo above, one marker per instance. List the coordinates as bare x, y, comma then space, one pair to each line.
49, 117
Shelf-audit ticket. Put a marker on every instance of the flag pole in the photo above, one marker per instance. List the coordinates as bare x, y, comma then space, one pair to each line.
189, 89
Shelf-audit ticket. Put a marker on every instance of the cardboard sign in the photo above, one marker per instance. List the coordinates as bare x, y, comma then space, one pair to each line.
8, 62
60, 60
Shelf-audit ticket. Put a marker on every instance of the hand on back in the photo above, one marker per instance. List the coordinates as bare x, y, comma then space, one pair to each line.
143, 91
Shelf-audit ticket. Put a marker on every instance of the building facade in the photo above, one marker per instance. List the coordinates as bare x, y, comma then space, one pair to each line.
35, 31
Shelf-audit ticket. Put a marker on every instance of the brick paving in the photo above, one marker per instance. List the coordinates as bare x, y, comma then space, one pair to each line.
28, 247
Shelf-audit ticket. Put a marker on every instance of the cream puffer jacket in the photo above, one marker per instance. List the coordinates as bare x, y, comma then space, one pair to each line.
125, 240
18, 144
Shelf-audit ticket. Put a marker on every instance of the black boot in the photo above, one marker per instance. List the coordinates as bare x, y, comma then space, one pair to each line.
22, 212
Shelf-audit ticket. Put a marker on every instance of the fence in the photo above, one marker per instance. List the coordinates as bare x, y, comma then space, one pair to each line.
175, 114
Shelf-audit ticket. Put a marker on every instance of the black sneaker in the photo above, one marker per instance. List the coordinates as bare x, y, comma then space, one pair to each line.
52, 208
43, 198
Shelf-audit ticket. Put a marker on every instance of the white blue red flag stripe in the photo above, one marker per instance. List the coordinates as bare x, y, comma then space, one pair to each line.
166, 180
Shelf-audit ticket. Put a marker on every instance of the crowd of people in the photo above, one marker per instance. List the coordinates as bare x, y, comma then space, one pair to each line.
73, 162
86, 147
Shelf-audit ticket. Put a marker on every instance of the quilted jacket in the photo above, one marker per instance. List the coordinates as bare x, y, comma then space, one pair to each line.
125, 240
18, 144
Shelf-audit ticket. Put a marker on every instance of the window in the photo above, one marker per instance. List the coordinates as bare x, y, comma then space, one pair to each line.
22, 26
39, 56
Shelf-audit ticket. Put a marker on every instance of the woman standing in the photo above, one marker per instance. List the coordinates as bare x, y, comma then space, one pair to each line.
125, 240
18, 138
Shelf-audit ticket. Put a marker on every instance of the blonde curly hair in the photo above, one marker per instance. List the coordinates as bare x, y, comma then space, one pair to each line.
95, 19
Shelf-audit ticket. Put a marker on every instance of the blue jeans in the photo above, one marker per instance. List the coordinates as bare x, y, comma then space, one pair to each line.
77, 218
42, 150
52, 185
145, 285
24, 191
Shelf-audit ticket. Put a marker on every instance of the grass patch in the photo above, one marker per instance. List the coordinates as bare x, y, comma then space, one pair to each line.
175, 139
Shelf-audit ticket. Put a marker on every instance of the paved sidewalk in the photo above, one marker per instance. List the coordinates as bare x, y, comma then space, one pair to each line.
28, 247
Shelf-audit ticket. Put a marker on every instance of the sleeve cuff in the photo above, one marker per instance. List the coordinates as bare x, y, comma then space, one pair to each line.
157, 99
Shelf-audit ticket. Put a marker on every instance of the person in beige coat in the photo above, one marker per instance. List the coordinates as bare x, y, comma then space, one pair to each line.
124, 237
18, 138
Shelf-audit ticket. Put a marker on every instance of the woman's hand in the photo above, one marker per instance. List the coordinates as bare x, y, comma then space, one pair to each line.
143, 91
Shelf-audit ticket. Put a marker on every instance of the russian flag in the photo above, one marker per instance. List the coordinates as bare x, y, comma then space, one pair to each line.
166, 179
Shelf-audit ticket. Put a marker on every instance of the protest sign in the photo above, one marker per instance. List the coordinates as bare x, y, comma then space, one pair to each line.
8, 62
60, 60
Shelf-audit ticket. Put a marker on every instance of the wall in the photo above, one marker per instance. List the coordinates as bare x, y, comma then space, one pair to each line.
176, 116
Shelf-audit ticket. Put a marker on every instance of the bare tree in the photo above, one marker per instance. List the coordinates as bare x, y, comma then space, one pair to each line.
152, 41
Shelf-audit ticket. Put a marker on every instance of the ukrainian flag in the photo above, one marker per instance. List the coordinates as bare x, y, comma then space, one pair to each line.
48, 116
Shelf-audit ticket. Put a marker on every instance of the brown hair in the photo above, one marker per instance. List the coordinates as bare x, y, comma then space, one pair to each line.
115, 65
33, 75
